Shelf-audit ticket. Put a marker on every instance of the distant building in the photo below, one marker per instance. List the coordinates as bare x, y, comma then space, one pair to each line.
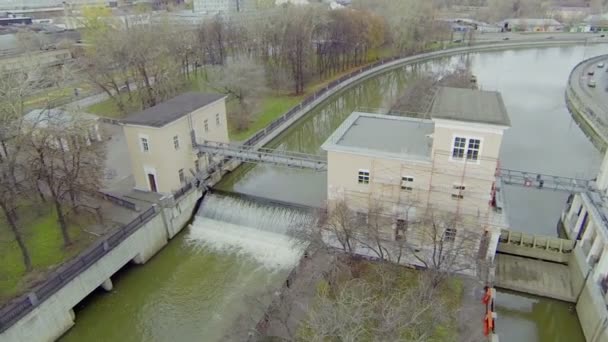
597, 22
531, 25
66, 124
224, 6
466, 25
160, 139
448, 163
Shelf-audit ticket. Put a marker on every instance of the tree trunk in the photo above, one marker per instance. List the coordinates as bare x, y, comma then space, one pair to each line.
62, 224
12, 222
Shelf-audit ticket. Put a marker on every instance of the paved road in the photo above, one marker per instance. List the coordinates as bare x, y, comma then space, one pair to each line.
596, 98
520, 37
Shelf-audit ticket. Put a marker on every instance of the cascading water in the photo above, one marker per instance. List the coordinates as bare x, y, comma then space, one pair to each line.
248, 228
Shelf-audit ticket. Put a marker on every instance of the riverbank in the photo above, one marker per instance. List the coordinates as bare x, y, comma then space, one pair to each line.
585, 105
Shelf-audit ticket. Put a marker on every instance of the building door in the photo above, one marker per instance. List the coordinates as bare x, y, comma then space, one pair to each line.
152, 181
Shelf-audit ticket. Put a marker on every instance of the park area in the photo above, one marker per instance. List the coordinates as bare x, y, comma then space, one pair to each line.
43, 238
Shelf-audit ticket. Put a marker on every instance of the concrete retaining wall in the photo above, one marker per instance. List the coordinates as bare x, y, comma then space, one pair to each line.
534, 253
55, 316
592, 315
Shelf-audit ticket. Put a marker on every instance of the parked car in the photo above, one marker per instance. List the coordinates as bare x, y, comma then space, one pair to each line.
591, 72
601, 65
591, 83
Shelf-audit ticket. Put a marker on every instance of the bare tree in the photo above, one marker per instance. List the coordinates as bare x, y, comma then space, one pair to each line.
14, 89
447, 245
64, 161
242, 80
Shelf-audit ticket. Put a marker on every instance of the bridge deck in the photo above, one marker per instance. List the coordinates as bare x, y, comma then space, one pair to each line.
535, 277
267, 156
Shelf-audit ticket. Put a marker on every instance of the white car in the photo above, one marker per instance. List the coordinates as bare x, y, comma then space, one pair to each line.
591, 83
601, 65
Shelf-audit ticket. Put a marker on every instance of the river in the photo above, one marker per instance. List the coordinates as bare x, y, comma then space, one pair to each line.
197, 286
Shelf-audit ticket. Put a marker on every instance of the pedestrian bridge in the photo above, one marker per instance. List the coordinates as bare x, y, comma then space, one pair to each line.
251, 154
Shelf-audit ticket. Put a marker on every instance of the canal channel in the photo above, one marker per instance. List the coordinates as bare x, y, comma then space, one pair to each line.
200, 284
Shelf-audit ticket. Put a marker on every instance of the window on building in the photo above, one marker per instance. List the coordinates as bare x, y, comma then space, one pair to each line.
182, 176
449, 235
206, 123
459, 147
176, 142
407, 183
145, 145
363, 176
473, 150
466, 147
217, 120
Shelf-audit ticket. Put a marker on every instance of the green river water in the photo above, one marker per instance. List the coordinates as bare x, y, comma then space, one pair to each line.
201, 285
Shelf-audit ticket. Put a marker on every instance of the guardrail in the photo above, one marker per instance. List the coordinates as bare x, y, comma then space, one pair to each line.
118, 201
16, 309
547, 243
184, 190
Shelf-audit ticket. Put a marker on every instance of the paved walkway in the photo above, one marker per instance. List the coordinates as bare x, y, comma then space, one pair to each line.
541, 278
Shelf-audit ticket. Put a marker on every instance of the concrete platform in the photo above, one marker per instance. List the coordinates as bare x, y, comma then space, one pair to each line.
541, 278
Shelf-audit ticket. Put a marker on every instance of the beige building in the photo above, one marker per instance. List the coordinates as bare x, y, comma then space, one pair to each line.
447, 164
160, 139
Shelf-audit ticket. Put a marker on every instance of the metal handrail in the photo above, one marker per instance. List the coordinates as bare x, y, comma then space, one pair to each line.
19, 307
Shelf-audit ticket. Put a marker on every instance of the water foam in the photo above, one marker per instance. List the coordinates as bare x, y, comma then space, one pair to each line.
226, 224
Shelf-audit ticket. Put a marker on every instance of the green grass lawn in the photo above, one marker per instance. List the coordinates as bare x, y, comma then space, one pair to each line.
272, 107
44, 241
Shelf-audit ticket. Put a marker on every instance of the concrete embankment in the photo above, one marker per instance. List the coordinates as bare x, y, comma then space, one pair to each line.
586, 109
50, 318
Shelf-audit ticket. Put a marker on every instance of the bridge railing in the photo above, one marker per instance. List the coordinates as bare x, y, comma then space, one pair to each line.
531, 179
547, 243
19, 307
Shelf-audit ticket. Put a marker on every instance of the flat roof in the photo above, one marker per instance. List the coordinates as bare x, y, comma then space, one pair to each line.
392, 136
470, 105
171, 110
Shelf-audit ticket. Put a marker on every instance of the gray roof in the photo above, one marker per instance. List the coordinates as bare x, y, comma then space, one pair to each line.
171, 110
392, 136
470, 105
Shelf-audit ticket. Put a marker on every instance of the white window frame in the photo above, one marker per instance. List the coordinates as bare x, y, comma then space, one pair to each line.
407, 183
176, 142
206, 125
464, 158
361, 177
143, 137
